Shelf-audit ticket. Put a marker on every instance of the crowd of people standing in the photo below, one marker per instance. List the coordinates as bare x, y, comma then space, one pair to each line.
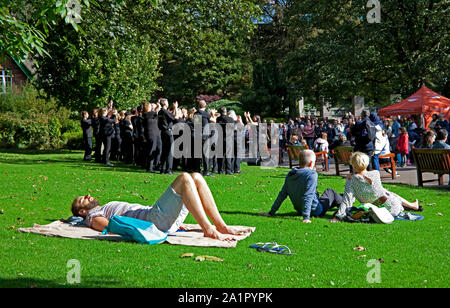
143, 136
368, 134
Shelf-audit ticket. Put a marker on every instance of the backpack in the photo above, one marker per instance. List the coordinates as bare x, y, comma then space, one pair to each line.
369, 213
137, 230
371, 130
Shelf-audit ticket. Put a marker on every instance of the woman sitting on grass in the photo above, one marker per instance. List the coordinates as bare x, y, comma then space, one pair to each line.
365, 186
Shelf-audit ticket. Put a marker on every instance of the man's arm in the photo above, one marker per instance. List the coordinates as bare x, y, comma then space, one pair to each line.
282, 195
99, 223
310, 194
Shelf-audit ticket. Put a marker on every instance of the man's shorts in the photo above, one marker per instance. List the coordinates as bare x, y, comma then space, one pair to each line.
169, 211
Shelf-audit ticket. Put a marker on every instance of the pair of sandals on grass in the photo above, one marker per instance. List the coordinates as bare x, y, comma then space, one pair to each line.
272, 247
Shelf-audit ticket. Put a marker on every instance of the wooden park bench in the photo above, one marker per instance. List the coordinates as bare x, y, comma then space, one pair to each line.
294, 154
436, 161
342, 157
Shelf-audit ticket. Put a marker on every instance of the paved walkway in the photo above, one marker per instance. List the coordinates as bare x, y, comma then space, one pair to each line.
407, 175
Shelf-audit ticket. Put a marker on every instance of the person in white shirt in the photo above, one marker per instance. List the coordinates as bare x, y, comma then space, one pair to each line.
187, 194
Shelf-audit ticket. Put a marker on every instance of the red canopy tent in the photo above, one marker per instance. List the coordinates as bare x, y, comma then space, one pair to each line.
424, 102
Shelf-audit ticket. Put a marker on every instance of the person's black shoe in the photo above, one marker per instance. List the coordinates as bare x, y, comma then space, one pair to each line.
109, 165
229, 173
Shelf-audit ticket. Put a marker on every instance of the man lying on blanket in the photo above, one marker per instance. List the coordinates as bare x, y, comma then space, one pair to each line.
187, 194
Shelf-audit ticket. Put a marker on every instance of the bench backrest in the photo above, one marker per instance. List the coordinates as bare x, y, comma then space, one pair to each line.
294, 151
342, 154
432, 160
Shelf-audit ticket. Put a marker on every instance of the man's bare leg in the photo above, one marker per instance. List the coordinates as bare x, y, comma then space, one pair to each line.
184, 185
210, 207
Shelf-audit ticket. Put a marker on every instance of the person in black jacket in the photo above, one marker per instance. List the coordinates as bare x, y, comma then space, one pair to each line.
116, 142
106, 132
227, 125
180, 161
86, 126
95, 121
190, 161
138, 138
165, 123
127, 139
364, 132
203, 117
151, 135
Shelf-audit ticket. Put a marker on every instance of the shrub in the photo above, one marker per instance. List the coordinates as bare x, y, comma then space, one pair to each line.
230, 105
73, 140
27, 120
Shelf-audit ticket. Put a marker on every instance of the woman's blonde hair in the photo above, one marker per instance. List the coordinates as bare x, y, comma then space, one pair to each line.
359, 161
147, 107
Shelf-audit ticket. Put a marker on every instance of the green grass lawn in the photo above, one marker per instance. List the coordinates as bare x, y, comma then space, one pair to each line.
39, 188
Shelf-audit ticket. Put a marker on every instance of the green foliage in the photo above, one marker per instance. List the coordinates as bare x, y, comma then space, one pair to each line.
269, 92
203, 45
30, 121
25, 24
335, 53
109, 60
237, 106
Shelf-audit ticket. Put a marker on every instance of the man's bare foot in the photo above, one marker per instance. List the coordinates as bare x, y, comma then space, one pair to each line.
334, 220
216, 235
232, 230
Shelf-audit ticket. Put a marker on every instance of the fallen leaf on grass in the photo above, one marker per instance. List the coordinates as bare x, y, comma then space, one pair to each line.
439, 214
187, 255
208, 258
359, 248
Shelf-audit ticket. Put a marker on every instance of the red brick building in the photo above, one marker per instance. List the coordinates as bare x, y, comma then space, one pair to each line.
13, 74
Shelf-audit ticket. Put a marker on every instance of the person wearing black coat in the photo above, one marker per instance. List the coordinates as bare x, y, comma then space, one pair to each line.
86, 126
151, 135
116, 143
95, 121
138, 138
364, 132
180, 161
106, 132
166, 120
190, 160
227, 125
203, 117
127, 140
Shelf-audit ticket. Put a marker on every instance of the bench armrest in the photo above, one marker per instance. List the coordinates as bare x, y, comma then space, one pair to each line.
387, 155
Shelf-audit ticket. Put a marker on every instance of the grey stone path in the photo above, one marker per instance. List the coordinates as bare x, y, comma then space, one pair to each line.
407, 175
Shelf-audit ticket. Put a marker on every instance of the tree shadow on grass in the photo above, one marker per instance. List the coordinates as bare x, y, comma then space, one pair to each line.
288, 215
86, 282
27, 158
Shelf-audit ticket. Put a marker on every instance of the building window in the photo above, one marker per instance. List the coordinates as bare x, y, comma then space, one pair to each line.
6, 81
